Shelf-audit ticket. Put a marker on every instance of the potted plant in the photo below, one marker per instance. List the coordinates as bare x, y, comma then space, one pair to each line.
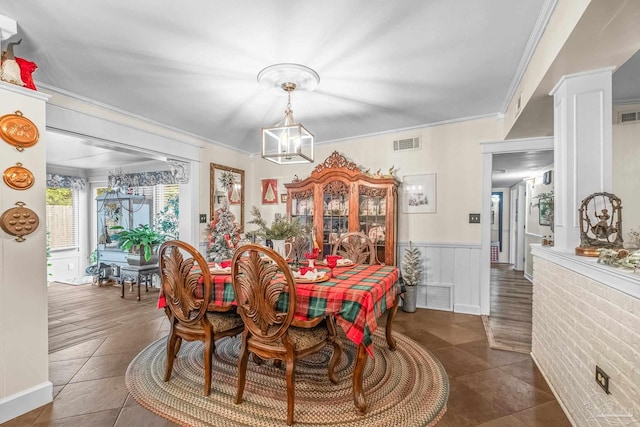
141, 243
278, 232
412, 273
280, 228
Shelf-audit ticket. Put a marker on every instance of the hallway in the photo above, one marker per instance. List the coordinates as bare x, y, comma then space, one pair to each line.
509, 324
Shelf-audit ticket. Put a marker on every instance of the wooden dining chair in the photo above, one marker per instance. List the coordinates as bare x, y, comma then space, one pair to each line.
191, 316
271, 332
357, 247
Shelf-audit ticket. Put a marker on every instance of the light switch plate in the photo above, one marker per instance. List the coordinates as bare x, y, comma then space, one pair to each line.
474, 218
203, 218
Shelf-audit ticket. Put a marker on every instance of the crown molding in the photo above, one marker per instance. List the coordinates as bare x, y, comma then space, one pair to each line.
107, 112
534, 38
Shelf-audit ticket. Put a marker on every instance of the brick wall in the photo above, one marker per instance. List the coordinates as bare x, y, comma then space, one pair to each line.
579, 323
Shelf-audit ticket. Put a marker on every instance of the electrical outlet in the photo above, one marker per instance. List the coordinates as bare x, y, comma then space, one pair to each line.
602, 379
203, 218
474, 218
70, 266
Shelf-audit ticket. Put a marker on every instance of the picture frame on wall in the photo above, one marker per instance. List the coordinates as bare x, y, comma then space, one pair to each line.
419, 193
269, 191
544, 213
547, 177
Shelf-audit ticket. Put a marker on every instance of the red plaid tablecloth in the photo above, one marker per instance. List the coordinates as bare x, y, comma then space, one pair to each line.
357, 296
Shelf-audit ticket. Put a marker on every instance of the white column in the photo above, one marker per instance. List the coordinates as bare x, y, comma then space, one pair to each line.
582, 144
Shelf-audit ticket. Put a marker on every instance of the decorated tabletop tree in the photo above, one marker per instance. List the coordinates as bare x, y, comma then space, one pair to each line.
223, 230
223, 235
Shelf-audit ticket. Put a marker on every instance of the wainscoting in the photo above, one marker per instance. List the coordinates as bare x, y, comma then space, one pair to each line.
450, 276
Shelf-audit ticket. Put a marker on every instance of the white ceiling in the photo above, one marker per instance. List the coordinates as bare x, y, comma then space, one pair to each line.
193, 65
511, 168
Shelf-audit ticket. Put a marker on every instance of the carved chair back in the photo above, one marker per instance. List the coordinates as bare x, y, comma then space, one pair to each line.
257, 290
357, 247
179, 283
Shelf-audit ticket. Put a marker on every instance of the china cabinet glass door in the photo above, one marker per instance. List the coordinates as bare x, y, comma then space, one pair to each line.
372, 217
335, 220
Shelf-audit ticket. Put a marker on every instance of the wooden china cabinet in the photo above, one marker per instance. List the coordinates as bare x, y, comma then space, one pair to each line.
338, 198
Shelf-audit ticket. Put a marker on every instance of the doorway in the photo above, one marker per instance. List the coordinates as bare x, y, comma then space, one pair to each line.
502, 151
85, 163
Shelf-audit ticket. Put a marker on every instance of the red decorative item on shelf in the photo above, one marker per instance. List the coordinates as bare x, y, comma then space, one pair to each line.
26, 70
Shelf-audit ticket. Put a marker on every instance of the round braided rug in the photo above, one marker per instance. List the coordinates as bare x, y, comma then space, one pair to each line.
405, 387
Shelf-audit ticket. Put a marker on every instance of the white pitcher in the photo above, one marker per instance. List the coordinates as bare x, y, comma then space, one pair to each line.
280, 246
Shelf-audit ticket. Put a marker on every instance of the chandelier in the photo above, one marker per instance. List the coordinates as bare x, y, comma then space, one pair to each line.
288, 142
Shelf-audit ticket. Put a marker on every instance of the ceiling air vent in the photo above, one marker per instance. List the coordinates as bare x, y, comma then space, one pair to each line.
628, 117
407, 144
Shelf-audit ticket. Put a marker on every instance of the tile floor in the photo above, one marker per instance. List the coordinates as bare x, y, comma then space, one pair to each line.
489, 388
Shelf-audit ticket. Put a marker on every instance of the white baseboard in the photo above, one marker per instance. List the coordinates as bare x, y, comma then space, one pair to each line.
25, 401
467, 309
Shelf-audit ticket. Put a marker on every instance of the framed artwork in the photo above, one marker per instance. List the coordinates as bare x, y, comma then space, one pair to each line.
544, 213
270, 191
283, 198
419, 193
547, 177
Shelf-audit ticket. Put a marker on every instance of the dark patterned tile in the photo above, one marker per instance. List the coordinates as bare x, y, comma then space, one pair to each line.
493, 357
95, 419
458, 362
85, 398
468, 408
546, 415
62, 371
528, 372
505, 390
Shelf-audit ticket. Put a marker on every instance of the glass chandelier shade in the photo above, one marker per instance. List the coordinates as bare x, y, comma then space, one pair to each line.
287, 142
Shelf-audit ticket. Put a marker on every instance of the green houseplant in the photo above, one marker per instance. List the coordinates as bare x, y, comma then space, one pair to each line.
141, 239
280, 228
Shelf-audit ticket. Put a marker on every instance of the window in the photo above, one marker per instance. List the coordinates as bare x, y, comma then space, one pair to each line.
62, 218
166, 209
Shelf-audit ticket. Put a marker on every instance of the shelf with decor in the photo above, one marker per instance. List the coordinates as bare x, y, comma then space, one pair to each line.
118, 210
338, 198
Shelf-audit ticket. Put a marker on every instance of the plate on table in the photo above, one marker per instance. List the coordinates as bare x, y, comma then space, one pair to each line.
345, 262
318, 279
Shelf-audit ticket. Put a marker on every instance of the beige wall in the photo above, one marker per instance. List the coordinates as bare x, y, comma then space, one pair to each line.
452, 151
23, 276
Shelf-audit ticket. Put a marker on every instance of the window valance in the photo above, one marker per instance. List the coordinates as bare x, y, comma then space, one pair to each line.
65, 181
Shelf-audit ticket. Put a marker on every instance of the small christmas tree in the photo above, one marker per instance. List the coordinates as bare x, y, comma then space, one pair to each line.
223, 231
412, 266
412, 272
223, 235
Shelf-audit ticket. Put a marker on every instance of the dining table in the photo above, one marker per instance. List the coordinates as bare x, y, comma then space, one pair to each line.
355, 295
